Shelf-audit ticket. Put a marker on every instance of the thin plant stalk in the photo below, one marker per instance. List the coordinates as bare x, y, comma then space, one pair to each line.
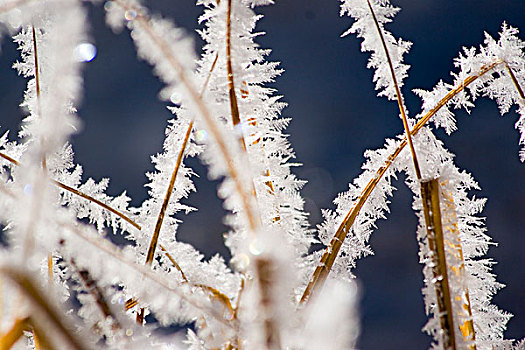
154, 239
90, 285
234, 106
14, 333
429, 191
516, 83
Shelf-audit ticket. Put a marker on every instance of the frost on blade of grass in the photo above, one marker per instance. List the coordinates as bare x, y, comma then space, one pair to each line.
271, 296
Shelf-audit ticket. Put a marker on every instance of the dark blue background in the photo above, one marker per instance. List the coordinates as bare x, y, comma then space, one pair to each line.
336, 116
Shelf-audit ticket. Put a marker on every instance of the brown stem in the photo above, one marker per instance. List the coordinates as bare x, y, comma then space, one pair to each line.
515, 82
231, 86
37, 83
90, 285
438, 263
327, 260
398, 94
96, 201
266, 280
155, 238
10, 338
177, 266
450, 226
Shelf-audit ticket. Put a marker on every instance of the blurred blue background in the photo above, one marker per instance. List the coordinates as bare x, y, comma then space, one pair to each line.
336, 116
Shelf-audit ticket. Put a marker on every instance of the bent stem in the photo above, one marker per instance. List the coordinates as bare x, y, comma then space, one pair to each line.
330, 254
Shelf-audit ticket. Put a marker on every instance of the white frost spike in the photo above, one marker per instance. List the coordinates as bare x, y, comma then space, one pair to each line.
365, 28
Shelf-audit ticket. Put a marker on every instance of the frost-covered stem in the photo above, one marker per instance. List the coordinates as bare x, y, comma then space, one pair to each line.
438, 263
450, 223
516, 83
158, 225
328, 258
203, 110
265, 278
177, 266
234, 106
96, 201
50, 270
90, 285
45, 310
82, 194
37, 83
143, 272
398, 95
155, 238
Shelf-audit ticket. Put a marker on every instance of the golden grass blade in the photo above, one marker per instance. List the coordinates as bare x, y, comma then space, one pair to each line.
47, 316
453, 242
515, 81
50, 270
155, 238
436, 245
398, 94
96, 201
177, 266
37, 82
234, 106
214, 292
14, 333
327, 260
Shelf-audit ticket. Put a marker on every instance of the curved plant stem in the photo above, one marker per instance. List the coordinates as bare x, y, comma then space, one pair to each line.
327, 260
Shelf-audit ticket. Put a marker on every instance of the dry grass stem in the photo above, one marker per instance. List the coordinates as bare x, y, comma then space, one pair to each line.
265, 278
14, 333
457, 268
516, 83
155, 238
234, 106
438, 263
90, 285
